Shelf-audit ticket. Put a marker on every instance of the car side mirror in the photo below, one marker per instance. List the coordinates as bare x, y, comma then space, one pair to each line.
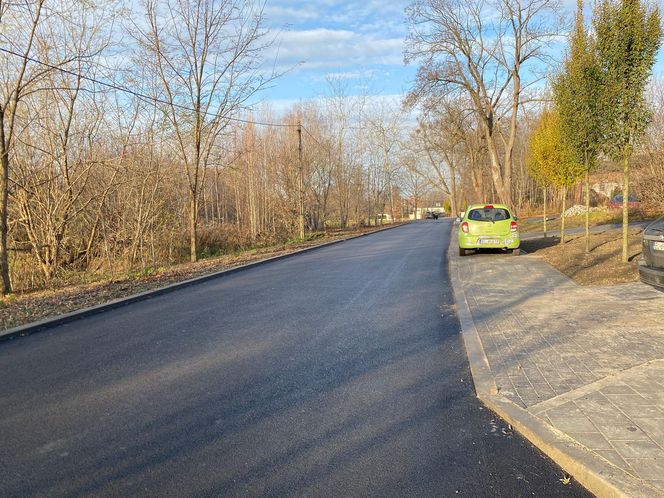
516, 218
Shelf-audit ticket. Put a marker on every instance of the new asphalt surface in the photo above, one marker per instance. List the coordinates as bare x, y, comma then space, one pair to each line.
338, 372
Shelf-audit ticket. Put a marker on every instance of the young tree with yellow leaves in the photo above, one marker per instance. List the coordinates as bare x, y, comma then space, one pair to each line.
552, 160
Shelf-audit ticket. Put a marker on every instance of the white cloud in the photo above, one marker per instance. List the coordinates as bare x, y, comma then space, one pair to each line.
365, 16
287, 14
330, 48
392, 101
351, 75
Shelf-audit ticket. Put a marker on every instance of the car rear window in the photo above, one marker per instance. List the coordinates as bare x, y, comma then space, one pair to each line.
656, 226
488, 214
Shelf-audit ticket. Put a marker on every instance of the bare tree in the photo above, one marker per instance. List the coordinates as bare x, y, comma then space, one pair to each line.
206, 57
479, 50
649, 179
57, 149
346, 115
414, 186
384, 128
101, 174
15, 80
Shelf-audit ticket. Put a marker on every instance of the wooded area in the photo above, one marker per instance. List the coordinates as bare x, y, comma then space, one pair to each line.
130, 137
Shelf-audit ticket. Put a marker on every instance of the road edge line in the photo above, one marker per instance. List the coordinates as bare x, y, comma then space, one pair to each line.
594, 473
51, 322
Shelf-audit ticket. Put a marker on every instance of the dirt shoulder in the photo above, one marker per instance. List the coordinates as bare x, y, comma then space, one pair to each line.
20, 309
601, 266
596, 218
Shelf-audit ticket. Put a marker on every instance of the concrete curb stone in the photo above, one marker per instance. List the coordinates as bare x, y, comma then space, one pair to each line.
590, 470
50, 322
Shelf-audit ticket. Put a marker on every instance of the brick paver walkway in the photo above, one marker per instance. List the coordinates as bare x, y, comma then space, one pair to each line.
588, 360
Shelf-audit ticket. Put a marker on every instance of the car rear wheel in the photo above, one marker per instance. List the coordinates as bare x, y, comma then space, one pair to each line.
462, 251
516, 252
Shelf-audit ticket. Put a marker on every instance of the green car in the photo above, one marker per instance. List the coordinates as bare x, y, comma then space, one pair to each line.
488, 227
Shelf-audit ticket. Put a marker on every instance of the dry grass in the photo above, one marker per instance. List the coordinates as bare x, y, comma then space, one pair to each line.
601, 266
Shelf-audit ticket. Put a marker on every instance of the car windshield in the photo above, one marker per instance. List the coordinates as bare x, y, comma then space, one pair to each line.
656, 226
488, 214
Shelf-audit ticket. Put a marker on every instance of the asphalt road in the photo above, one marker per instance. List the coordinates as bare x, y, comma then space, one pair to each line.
339, 372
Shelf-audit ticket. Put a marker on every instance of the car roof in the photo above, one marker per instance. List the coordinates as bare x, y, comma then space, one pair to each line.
481, 206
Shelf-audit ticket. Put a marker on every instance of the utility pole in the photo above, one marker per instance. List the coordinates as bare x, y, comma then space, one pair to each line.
300, 182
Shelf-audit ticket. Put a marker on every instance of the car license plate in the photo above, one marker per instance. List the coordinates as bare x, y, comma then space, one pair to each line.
658, 246
488, 241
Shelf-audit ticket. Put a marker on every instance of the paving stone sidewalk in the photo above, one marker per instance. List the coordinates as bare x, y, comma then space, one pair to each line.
587, 360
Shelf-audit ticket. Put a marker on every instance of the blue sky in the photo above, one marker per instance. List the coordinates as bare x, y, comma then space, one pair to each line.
357, 41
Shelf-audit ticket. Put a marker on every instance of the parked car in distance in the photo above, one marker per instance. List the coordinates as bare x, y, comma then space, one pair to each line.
651, 265
488, 226
617, 202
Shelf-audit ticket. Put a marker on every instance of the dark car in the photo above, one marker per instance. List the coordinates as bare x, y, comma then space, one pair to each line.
651, 266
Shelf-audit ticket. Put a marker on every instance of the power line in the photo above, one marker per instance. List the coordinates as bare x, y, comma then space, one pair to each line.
139, 95
157, 100
315, 139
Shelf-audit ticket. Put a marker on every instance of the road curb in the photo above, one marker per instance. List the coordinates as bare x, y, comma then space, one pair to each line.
479, 363
48, 323
593, 472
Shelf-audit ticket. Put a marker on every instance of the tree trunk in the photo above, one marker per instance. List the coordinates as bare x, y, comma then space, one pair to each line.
217, 199
587, 181
499, 181
193, 226
562, 217
391, 198
300, 185
546, 192
625, 206
453, 193
509, 146
251, 193
4, 204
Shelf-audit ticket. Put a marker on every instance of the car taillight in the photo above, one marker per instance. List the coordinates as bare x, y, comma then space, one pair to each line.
464, 227
513, 226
